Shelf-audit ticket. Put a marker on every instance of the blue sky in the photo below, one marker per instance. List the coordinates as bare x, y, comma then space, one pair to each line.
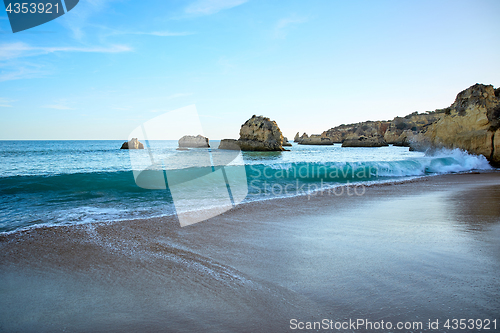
107, 66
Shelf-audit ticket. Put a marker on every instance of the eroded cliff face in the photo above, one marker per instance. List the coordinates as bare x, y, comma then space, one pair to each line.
471, 123
402, 130
375, 140
316, 139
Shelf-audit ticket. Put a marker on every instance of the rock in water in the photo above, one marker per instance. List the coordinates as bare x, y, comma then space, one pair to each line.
296, 138
132, 144
229, 144
260, 133
190, 141
471, 123
257, 133
286, 143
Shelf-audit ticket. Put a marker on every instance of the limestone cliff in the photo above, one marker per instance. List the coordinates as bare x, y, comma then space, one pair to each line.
471, 123
367, 129
375, 140
316, 139
401, 130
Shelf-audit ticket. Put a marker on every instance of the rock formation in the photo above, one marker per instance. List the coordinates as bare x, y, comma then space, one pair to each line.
190, 141
471, 123
370, 130
260, 133
362, 141
257, 133
300, 138
230, 144
286, 143
316, 139
132, 144
401, 130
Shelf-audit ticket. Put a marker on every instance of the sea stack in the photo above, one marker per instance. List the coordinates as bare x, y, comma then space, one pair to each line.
299, 139
229, 144
132, 144
258, 133
190, 141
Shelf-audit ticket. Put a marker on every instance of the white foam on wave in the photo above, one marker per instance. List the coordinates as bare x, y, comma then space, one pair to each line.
440, 162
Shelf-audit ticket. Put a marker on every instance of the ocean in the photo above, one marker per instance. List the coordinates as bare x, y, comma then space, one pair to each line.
45, 183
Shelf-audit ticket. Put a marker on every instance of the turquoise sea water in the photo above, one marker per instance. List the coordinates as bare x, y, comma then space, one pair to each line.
70, 182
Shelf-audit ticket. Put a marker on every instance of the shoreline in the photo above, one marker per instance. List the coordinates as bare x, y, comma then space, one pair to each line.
314, 193
426, 248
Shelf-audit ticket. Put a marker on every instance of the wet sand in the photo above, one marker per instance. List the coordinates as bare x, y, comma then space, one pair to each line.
426, 249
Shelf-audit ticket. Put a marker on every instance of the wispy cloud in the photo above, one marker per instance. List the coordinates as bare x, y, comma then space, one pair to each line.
169, 98
226, 64
78, 20
59, 105
177, 95
5, 102
20, 71
282, 26
209, 7
20, 49
154, 33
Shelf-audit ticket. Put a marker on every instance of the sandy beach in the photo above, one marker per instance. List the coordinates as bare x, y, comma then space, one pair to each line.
422, 250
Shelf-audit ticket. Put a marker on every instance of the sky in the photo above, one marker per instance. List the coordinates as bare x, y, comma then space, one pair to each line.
108, 66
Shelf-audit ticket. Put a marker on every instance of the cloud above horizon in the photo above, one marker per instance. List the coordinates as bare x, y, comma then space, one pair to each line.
19, 49
209, 7
154, 33
282, 26
5, 102
60, 105
25, 70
